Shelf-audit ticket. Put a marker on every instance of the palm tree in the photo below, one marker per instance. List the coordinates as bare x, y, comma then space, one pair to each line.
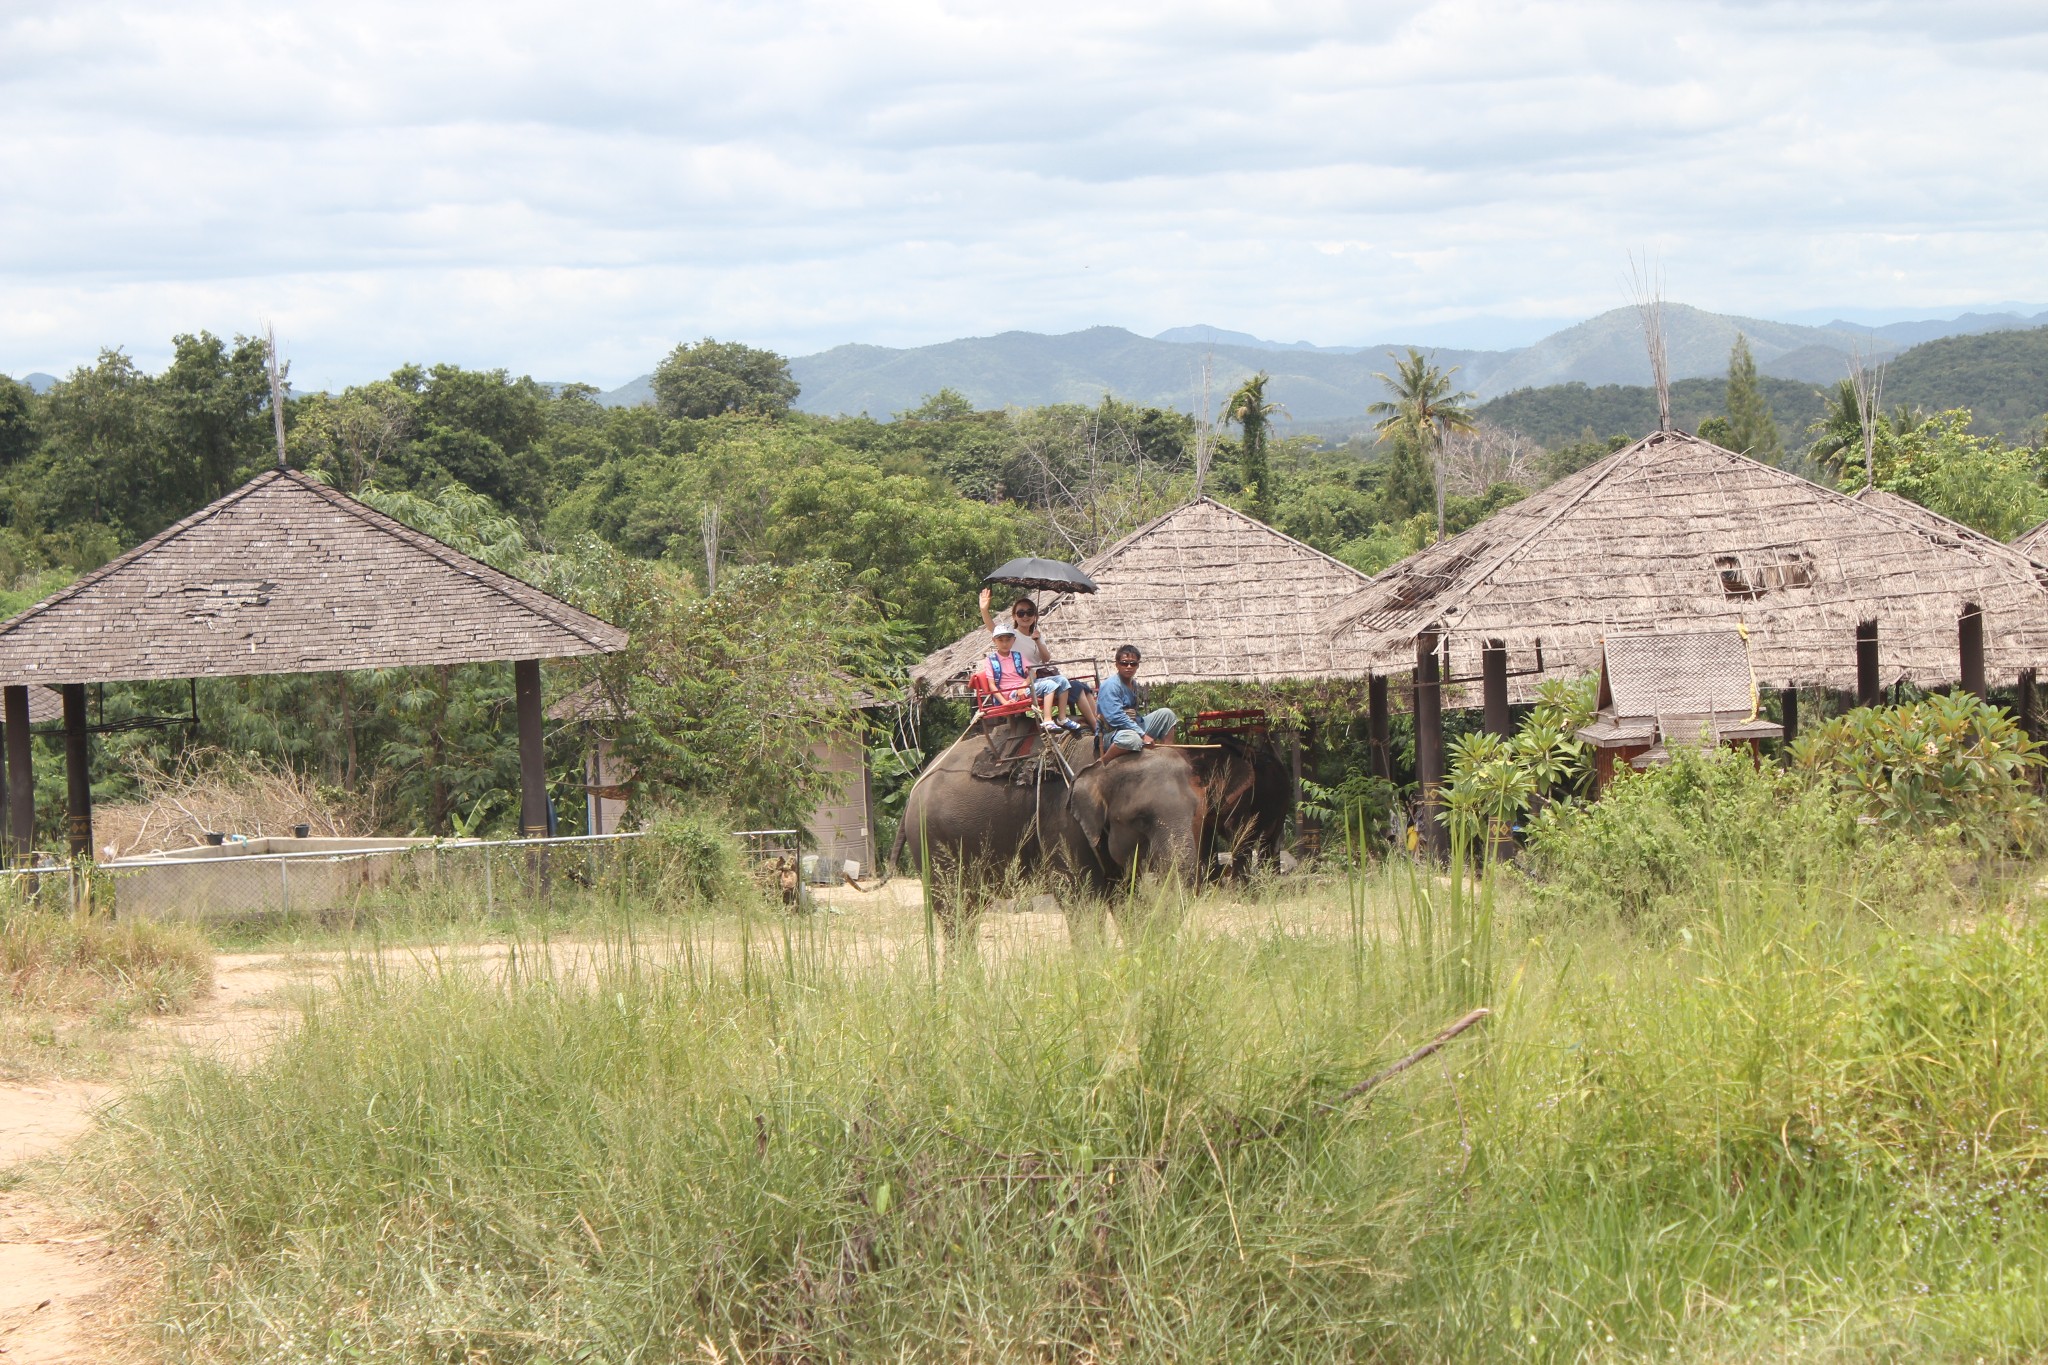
1425, 409
1839, 432
1249, 409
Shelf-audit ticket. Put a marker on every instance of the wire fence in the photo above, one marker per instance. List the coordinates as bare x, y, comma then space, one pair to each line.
280, 878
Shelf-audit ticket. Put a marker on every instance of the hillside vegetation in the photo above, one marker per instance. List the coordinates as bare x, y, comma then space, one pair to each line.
2001, 377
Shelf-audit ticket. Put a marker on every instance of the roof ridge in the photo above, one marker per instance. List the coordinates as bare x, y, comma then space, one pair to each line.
1270, 529
121, 561
1594, 474
440, 549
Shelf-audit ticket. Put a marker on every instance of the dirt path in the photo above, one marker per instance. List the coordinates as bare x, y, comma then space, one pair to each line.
63, 1283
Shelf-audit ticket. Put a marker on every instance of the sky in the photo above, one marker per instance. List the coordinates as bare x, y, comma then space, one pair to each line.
571, 190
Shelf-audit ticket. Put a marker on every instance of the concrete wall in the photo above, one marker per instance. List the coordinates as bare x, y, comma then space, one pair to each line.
249, 878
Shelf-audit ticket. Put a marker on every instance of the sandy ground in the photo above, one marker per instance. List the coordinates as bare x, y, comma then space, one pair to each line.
68, 1291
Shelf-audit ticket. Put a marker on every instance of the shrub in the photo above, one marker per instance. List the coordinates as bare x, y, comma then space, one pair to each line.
1494, 782
699, 859
1672, 834
1950, 760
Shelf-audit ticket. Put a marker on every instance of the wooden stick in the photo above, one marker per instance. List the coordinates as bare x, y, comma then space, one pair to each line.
1411, 1059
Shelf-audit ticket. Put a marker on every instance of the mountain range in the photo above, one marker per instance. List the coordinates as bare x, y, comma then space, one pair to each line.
1324, 384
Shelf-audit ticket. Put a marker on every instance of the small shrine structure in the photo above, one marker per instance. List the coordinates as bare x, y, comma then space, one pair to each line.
1665, 691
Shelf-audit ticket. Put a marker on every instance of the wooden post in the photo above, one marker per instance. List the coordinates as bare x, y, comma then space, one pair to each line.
2026, 704
1377, 746
77, 772
21, 777
1970, 643
533, 763
1788, 706
1429, 743
1493, 673
1869, 690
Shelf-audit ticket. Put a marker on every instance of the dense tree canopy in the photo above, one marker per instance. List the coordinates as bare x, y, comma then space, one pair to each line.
712, 378
847, 545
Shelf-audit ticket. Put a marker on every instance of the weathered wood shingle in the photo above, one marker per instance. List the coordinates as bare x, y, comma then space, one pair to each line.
286, 575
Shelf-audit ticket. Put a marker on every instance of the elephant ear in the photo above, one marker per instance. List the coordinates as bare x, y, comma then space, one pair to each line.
1091, 811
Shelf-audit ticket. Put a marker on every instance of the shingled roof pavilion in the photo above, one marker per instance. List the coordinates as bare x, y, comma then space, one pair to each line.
283, 575
1205, 592
1674, 533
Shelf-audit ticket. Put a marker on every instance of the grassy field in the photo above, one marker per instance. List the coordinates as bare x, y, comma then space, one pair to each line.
1787, 1119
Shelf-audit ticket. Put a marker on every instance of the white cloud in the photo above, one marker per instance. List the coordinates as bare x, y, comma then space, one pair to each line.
570, 191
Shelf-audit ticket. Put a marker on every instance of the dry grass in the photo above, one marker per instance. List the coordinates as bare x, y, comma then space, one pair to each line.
71, 964
211, 789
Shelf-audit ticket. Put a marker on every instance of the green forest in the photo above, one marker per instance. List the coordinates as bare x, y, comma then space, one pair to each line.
772, 565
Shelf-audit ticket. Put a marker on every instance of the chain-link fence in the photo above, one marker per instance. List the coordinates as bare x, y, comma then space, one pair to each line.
278, 878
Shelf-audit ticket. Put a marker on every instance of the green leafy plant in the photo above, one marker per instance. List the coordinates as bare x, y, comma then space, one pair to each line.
1494, 782
1951, 760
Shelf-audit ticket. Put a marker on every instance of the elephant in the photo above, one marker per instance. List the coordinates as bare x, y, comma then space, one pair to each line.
989, 808
1144, 812
1251, 794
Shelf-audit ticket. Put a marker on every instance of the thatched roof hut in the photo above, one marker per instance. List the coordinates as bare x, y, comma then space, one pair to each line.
1206, 592
1674, 532
2034, 543
287, 575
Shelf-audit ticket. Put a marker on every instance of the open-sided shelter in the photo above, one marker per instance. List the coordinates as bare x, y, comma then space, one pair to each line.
1205, 592
1674, 532
282, 575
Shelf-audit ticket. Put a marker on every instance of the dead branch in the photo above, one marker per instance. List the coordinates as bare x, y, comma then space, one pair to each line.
1381, 1078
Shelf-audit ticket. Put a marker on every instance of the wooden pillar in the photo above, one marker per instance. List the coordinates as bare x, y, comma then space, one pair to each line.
1869, 690
533, 762
1429, 743
1788, 707
2027, 704
1493, 674
1377, 746
21, 776
1970, 644
77, 773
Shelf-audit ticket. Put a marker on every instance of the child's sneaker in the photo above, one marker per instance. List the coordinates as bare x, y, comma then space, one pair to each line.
1072, 726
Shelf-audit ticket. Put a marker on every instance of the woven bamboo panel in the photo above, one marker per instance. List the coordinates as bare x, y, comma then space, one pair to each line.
1700, 672
286, 575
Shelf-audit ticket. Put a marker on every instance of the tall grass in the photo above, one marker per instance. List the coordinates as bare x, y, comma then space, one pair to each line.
1789, 1127
74, 963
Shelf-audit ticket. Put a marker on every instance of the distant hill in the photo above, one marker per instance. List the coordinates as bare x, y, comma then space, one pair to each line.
1563, 413
36, 381
1204, 335
1321, 387
1028, 368
1913, 333
2002, 377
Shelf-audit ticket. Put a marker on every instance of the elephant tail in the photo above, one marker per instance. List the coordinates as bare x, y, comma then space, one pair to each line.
889, 863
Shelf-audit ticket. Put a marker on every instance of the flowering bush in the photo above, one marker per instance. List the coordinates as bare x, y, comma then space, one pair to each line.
1950, 760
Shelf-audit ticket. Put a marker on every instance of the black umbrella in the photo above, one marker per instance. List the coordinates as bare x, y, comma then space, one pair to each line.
1049, 574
